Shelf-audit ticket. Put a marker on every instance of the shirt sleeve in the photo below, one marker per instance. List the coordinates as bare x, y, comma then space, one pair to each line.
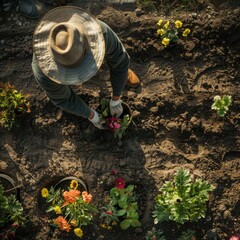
117, 59
61, 95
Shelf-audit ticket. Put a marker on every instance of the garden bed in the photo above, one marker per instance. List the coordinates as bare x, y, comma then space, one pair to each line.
173, 124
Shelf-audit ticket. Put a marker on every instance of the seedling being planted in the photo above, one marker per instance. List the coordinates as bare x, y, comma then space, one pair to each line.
221, 105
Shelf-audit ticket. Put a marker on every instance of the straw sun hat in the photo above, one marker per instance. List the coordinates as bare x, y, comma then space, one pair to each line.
69, 45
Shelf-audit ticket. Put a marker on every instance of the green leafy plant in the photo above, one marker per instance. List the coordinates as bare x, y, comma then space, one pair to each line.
221, 105
155, 234
187, 235
121, 206
12, 104
117, 125
11, 214
169, 32
72, 206
182, 199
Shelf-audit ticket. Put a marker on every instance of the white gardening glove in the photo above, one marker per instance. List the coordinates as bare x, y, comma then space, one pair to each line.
116, 108
96, 120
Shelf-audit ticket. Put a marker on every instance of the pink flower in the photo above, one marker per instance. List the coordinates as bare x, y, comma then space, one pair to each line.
119, 183
109, 212
234, 238
113, 123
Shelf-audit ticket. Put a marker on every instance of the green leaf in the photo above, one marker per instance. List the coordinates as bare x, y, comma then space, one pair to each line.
135, 223
130, 188
121, 212
182, 182
122, 204
105, 113
125, 224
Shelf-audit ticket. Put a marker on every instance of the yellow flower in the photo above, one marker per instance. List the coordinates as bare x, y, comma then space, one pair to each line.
57, 210
165, 41
44, 192
107, 198
186, 32
74, 184
102, 225
166, 25
161, 31
159, 23
74, 222
78, 232
178, 24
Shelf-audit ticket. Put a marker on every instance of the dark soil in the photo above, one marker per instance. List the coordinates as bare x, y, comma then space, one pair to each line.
173, 124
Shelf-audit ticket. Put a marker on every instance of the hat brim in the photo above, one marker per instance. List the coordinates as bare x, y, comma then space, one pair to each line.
93, 59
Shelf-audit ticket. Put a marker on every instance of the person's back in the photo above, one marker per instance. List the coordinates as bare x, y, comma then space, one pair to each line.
69, 46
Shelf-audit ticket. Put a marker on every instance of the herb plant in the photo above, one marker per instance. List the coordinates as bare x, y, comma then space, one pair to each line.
221, 105
121, 206
12, 103
169, 31
182, 199
72, 207
11, 215
117, 125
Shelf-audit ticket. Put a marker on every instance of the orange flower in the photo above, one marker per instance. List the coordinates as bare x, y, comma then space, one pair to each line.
86, 197
71, 195
62, 223
74, 222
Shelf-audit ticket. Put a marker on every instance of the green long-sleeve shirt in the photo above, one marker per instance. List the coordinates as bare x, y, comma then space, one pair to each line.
64, 97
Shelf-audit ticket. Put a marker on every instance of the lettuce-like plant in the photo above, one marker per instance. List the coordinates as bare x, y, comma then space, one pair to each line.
182, 199
221, 105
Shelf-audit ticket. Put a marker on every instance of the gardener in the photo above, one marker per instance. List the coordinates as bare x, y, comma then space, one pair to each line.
69, 46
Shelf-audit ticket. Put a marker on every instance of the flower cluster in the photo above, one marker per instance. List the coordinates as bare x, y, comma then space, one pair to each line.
116, 125
234, 238
120, 206
169, 31
72, 206
113, 123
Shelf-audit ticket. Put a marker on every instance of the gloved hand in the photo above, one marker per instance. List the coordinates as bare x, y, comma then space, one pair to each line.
116, 108
96, 120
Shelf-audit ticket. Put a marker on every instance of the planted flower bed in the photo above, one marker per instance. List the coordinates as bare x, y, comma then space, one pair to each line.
185, 114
